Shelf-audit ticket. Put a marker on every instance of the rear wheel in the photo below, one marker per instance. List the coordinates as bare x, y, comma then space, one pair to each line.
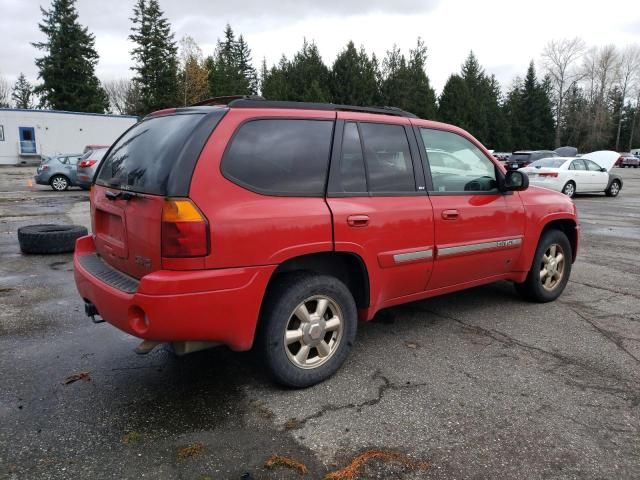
614, 189
569, 189
550, 270
307, 328
59, 183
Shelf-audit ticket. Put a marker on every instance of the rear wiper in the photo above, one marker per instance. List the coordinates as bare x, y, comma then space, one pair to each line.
123, 195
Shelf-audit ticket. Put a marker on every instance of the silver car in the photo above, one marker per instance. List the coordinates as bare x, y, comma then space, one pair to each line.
88, 165
58, 171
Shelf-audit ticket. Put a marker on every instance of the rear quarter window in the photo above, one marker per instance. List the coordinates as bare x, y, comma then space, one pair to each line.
143, 158
280, 156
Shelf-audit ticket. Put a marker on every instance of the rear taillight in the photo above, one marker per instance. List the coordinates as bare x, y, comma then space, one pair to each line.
185, 231
87, 163
548, 174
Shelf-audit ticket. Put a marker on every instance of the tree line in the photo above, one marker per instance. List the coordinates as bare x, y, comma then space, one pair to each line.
588, 98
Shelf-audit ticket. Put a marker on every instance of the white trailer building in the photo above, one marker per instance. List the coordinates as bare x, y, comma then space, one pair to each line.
27, 135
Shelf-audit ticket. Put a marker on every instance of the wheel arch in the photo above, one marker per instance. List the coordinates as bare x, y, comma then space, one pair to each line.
569, 227
347, 267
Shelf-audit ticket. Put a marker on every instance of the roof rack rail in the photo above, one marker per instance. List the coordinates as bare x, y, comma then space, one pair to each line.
260, 102
226, 100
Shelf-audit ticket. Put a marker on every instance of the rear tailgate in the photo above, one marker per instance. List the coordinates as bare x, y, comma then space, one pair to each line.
152, 161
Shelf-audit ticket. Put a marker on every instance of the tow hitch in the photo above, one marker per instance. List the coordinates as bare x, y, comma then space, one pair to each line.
91, 311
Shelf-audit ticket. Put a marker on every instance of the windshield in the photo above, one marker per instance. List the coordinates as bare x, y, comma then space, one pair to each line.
548, 163
142, 159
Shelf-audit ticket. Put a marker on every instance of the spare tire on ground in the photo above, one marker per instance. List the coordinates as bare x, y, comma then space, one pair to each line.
49, 238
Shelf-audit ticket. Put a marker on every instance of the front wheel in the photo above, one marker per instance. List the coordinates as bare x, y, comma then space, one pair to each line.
569, 189
307, 328
550, 270
613, 190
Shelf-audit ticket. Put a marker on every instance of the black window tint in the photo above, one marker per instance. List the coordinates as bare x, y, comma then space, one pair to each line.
280, 156
386, 151
352, 174
143, 158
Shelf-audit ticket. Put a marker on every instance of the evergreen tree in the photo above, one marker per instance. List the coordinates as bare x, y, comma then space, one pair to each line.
472, 100
232, 72
274, 82
405, 83
354, 78
67, 68
307, 77
530, 113
155, 54
22, 93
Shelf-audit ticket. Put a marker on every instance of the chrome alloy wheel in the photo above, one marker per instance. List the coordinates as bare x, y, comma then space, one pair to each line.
614, 189
59, 183
569, 190
313, 332
552, 267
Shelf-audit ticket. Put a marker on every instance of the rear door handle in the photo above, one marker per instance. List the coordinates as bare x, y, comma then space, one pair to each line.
358, 220
450, 214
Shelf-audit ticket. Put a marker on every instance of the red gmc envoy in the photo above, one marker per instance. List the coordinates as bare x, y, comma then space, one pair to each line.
279, 225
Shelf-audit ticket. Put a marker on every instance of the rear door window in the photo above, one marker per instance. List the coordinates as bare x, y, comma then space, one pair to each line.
143, 158
388, 158
280, 156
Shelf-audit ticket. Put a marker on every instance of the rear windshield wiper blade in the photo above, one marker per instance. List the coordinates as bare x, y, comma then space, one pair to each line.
123, 195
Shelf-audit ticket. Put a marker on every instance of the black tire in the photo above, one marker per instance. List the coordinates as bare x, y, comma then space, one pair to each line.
283, 298
49, 238
59, 183
532, 288
613, 190
569, 192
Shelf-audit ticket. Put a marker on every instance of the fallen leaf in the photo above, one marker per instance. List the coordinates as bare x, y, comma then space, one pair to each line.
281, 461
411, 345
189, 451
78, 376
352, 471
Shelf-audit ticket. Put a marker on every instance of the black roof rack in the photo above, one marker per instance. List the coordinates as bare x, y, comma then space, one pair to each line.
256, 101
253, 102
226, 100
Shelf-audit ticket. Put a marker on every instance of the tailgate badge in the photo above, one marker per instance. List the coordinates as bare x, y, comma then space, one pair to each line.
143, 261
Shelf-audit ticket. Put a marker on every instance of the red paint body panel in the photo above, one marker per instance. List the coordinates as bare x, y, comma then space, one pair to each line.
211, 305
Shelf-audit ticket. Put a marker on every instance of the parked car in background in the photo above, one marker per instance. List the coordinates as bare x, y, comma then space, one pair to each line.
93, 147
570, 175
88, 165
58, 171
522, 158
502, 156
628, 160
279, 225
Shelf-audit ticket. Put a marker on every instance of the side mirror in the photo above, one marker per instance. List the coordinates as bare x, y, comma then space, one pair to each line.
603, 169
515, 181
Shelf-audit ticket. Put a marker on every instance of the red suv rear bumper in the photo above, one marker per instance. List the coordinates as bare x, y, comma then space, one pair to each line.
211, 305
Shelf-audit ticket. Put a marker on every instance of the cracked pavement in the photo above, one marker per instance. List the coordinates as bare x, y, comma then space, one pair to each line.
478, 383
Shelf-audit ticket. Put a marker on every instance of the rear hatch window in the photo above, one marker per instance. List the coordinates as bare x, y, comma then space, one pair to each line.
143, 158
519, 157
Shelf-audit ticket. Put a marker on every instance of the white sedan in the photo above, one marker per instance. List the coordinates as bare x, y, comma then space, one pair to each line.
570, 175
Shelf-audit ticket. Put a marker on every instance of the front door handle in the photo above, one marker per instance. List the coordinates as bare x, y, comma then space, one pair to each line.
450, 214
358, 220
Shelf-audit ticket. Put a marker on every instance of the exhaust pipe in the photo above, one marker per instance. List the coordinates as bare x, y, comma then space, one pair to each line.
90, 310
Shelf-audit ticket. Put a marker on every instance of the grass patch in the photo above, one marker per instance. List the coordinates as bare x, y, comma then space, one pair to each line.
131, 437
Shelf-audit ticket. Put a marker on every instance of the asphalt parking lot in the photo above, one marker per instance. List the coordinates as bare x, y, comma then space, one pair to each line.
479, 384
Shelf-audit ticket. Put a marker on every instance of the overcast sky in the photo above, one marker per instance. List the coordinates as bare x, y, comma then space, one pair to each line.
505, 35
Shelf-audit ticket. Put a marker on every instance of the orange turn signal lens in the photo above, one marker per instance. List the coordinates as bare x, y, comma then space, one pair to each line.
180, 210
